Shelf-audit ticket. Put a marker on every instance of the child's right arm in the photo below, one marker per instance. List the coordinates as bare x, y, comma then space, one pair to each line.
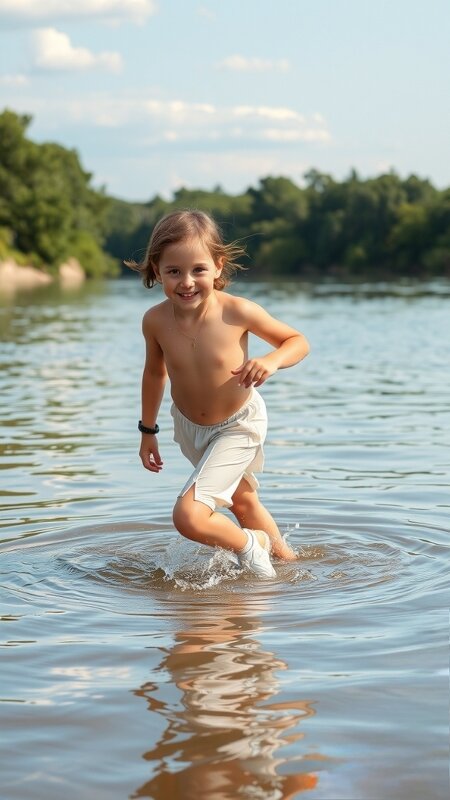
153, 382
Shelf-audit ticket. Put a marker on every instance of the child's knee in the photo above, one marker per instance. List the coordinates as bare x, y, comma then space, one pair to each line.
182, 518
244, 503
189, 516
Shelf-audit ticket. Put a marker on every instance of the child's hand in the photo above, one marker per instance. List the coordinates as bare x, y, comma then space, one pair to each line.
149, 453
254, 371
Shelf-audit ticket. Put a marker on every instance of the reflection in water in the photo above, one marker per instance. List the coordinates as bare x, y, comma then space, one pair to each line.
220, 740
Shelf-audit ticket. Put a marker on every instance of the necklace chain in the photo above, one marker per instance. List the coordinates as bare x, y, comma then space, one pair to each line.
192, 339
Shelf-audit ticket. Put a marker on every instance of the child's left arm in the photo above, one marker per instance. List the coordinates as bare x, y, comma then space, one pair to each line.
290, 345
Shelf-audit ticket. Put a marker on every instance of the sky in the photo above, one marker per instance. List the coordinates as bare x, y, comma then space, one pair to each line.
159, 94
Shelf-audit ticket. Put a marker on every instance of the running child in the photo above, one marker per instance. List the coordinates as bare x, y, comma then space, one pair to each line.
198, 338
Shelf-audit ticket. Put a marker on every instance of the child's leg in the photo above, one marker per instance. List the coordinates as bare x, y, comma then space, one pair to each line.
250, 513
196, 521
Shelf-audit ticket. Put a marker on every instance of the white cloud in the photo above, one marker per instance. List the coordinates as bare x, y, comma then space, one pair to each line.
54, 51
176, 123
177, 110
179, 121
13, 80
32, 12
137, 154
270, 112
299, 135
238, 63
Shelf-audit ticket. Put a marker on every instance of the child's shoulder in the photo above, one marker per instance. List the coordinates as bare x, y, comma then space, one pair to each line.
241, 307
154, 315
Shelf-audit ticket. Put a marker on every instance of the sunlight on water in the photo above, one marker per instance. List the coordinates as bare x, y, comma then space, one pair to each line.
138, 664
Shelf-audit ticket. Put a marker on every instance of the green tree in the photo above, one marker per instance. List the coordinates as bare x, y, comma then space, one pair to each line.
46, 201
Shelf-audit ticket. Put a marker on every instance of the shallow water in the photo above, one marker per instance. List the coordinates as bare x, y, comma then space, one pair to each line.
137, 664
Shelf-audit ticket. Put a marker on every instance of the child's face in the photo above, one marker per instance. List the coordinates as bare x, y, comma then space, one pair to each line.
187, 272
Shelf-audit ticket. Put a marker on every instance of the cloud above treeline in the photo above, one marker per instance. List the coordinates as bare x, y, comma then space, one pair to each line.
171, 122
14, 80
239, 63
53, 50
36, 12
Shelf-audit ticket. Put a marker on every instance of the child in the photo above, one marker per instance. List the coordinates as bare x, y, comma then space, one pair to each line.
198, 338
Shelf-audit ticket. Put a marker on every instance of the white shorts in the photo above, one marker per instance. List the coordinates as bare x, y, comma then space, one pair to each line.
224, 453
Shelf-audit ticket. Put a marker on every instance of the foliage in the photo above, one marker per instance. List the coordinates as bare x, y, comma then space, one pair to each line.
48, 210
378, 228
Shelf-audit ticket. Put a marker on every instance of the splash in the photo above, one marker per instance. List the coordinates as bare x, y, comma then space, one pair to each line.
198, 570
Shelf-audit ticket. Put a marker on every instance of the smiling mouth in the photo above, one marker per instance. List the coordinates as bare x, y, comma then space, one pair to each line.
187, 294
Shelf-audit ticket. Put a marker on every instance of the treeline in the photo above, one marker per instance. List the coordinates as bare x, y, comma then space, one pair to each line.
379, 228
48, 210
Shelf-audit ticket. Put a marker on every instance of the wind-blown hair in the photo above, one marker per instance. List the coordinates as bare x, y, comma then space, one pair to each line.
180, 226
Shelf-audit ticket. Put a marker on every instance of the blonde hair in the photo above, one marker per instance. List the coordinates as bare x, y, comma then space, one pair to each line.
179, 226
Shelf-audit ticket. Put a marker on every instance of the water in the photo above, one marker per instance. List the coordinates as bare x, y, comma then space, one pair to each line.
137, 664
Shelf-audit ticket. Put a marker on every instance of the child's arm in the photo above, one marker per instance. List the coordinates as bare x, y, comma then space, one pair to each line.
153, 381
290, 345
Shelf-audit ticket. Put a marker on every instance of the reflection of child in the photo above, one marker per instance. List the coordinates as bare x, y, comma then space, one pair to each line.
198, 336
234, 730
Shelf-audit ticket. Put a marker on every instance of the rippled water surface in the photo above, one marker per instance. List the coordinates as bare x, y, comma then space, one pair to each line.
135, 663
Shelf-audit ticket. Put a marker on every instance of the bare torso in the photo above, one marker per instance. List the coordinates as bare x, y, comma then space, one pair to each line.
202, 385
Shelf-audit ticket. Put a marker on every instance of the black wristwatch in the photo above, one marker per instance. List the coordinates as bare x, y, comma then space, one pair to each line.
144, 429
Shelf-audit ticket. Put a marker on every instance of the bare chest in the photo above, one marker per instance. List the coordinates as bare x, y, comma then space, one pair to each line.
214, 347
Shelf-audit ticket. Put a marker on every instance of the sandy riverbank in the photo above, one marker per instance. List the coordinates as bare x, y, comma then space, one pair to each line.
14, 277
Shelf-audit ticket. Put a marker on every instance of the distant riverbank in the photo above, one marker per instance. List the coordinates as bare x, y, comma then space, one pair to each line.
381, 228
15, 276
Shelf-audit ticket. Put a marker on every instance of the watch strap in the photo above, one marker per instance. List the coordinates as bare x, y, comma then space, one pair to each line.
144, 429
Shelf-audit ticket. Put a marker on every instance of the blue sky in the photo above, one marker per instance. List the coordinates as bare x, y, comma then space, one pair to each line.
158, 94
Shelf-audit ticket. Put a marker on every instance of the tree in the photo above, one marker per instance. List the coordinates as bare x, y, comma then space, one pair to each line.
46, 201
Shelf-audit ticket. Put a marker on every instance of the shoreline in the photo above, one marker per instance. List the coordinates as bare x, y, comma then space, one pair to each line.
14, 277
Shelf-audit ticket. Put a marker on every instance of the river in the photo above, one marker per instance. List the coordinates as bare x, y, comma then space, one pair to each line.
135, 663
